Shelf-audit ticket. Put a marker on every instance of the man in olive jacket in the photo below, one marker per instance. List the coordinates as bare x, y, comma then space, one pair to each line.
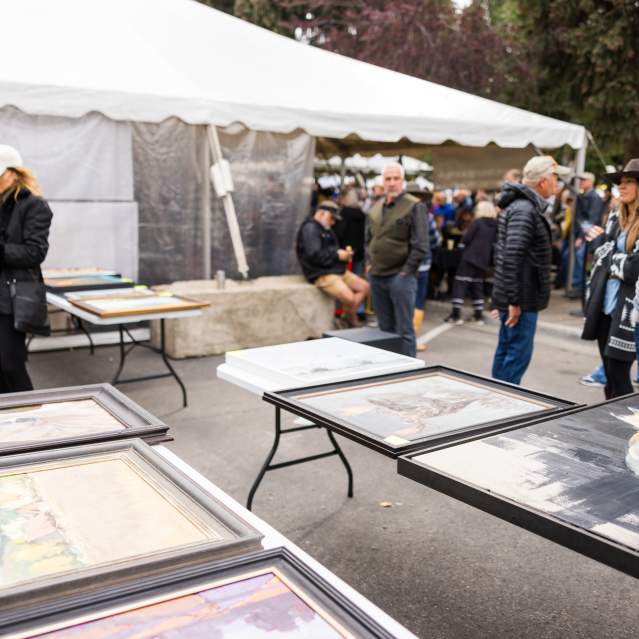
522, 266
397, 243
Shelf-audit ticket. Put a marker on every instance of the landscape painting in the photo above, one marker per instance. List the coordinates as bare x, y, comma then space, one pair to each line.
405, 409
136, 302
261, 605
55, 420
580, 468
81, 512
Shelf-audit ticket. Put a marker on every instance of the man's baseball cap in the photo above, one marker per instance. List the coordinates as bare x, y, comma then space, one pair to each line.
542, 165
587, 176
9, 158
331, 207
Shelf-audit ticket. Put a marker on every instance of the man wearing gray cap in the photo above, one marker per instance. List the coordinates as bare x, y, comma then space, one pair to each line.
522, 265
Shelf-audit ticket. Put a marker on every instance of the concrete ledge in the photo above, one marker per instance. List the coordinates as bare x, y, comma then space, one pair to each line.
261, 312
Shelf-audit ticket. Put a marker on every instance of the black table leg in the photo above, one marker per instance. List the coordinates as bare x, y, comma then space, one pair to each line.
267, 466
169, 366
80, 324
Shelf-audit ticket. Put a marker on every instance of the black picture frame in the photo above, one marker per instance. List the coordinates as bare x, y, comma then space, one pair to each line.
136, 420
225, 533
67, 612
550, 526
286, 400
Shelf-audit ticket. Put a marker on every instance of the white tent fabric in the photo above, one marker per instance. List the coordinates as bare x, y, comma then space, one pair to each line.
137, 60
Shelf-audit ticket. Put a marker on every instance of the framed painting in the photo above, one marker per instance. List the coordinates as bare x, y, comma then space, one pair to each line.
135, 302
60, 285
79, 271
73, 520
572, 478
263, 595
397, 413
43, 419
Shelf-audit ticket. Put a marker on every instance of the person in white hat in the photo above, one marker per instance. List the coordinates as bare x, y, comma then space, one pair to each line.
25, 219
523, 253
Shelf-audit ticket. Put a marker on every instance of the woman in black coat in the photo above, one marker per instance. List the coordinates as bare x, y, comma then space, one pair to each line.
611, 287
25, 219
475, 261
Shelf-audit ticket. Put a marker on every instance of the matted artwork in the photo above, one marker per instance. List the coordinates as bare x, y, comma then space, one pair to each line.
135, 302
102, 510
61, 285
318, 361
405, 410
271, 594
37, 420
573, 478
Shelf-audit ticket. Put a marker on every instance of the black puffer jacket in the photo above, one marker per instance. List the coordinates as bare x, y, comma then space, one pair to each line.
25, 223
523, 250
317, 250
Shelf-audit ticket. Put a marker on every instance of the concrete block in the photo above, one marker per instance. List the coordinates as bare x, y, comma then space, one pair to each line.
260, 312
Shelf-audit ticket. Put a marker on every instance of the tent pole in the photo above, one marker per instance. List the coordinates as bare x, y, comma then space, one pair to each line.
229, 207
580, 166
206, 211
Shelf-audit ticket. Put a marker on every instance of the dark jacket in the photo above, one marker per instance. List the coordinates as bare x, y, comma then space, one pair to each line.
588, 210
24, 244
522, 251
351, 231
316, 249
479, 242
624, 267
397, 236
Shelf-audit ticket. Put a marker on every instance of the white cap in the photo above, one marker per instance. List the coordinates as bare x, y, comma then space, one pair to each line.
539, 166
378, 181
9, 158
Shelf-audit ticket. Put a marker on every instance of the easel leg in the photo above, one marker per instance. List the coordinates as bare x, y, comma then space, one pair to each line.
340, 452
267, 462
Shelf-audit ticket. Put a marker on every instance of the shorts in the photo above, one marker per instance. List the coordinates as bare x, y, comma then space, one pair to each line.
333, 284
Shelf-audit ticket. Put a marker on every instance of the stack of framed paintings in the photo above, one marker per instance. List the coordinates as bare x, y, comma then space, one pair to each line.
39, 420
258, 596
135, 301
77, 519
414, 410
61, 285
573, 478
77, 271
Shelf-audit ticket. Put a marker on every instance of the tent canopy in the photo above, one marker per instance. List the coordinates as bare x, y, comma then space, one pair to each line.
146, 61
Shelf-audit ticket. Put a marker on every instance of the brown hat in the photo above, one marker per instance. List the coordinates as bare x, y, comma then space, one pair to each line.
331, 207
631, 170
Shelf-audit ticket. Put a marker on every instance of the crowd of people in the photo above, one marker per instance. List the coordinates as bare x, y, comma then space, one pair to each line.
402, 243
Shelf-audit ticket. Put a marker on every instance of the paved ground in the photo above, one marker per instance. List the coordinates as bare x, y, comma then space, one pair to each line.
440, 567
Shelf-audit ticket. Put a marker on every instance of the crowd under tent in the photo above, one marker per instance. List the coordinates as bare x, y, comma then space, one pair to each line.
121, 107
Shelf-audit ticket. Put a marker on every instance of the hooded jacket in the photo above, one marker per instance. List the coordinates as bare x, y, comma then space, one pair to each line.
523, 250
316, 249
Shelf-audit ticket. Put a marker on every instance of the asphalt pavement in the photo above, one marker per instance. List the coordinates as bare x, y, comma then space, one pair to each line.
440, 567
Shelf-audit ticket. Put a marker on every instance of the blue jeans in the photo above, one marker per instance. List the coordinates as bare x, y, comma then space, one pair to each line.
514, 347
394, 302
422, 289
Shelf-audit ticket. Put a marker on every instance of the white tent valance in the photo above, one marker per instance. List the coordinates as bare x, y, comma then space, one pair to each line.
146, 61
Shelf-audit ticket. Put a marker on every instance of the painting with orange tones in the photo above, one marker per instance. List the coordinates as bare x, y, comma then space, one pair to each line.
262, 605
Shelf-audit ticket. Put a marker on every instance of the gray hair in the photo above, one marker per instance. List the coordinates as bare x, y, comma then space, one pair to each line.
394, 165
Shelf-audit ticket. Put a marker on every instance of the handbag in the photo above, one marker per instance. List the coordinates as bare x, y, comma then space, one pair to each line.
29, 302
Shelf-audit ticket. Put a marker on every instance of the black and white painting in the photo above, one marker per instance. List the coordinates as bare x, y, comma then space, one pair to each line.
582, 468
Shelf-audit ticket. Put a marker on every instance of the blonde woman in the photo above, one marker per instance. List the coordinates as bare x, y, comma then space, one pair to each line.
25, 219
476, 259
612, 283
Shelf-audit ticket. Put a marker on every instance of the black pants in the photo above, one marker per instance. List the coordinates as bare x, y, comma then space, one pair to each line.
617, 370
13, 358
469, 281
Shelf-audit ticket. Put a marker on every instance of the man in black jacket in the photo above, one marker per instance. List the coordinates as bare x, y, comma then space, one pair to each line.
323, 262
522, 265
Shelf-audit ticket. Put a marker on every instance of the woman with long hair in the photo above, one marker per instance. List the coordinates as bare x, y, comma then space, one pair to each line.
611, 287
25, 219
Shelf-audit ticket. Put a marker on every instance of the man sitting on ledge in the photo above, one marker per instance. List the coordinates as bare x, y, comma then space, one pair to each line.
324, 262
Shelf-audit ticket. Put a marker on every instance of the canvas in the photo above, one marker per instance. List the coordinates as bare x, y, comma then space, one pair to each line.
404, 409
259, 605
51, 273
85, 281
579, 468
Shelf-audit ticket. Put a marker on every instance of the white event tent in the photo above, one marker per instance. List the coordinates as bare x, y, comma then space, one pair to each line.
139, 93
